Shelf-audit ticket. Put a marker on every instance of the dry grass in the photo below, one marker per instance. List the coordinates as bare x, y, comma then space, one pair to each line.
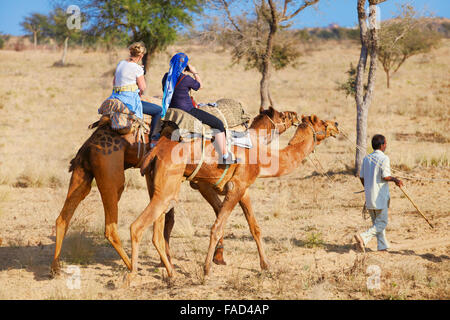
307, 222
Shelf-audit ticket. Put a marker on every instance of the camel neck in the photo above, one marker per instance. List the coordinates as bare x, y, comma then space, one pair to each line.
289, 158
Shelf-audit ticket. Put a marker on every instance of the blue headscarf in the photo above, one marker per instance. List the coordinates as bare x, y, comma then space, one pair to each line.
177, 65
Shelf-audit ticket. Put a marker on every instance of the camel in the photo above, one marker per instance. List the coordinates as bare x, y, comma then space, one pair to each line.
164, 177
105, 156
266, 128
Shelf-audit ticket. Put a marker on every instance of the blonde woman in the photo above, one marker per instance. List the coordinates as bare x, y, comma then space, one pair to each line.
129, 84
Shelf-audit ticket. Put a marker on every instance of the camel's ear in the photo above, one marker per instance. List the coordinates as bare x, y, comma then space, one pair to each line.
314, 118
261, 109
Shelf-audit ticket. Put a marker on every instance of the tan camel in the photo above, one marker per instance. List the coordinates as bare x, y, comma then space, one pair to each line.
106, 155
266, 124
164, 177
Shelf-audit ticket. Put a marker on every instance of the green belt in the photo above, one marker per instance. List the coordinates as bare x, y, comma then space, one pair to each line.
130, 87
223, 175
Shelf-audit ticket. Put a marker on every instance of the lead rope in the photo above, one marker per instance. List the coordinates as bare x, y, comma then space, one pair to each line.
199, 165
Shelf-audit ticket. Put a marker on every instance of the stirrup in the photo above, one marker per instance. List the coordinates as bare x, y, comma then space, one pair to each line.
231, 159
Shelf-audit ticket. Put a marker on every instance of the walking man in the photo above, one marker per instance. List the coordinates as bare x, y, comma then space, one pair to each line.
375, 175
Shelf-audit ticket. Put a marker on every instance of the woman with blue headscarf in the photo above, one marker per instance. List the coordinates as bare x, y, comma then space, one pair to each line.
176, 87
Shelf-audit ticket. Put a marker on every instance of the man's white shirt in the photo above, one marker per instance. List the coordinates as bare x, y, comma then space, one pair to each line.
376, 166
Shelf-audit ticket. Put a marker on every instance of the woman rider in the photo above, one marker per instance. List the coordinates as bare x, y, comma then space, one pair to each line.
129, 85
176, 86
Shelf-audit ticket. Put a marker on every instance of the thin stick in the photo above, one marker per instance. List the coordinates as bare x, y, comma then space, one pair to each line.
415, 206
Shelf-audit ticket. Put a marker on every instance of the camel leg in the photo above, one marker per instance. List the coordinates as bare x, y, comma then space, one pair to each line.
159, 242
231, 199
111, 186
169, 222
246, 206
213, 199
166, 188
79, 188
151, 214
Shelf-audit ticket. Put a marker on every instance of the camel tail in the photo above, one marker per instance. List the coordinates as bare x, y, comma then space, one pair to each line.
148, 162
81, 159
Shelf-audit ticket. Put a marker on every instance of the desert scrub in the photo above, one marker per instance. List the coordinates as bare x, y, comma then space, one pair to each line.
314, 239
78, 248
433, 161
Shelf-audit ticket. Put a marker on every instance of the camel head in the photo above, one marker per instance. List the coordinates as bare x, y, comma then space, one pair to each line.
322, 128
283, 120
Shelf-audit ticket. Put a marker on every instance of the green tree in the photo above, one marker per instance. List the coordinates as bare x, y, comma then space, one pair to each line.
155, 22
35, 24
402, 38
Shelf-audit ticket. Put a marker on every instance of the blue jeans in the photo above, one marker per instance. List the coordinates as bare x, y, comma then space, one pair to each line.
155, 111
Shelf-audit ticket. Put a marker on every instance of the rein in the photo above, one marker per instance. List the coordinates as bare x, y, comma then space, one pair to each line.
275, 124
314, 135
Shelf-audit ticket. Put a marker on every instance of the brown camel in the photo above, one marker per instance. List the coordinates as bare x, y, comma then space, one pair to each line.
164, 175
106, 155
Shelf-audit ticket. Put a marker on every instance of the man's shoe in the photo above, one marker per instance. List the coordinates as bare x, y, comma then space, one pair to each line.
360, 243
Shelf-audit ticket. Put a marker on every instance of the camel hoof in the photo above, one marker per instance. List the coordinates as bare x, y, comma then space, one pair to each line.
206, 271
220, 262
55, 270
265, 265
128, 279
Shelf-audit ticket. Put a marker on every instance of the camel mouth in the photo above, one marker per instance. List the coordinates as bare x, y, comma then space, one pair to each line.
333, 132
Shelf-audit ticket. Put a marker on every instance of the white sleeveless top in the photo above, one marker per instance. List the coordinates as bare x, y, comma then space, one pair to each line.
127, 73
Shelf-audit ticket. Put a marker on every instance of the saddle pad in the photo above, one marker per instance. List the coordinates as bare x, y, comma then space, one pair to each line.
229, 111
121, 116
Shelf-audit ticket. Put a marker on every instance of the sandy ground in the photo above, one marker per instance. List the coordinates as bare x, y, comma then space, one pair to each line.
307, 221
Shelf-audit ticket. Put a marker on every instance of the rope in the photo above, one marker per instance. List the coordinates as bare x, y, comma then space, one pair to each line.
199, 165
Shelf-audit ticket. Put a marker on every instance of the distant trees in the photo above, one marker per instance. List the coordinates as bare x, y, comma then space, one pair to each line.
155, 22
402, 38
35, 24
54, 26
58, 30
256, 37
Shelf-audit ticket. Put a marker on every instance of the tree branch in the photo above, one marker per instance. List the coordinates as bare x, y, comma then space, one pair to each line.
306, 4
230, 17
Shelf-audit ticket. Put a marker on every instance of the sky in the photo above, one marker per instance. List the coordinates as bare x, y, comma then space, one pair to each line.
342, 12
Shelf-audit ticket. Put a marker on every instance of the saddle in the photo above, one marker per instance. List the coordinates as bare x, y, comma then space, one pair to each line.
117, 115
230, 111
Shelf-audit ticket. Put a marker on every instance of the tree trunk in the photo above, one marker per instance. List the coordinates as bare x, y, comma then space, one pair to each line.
266, 67
63, 59
264, 84
369, 40
388, 79
35, 39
